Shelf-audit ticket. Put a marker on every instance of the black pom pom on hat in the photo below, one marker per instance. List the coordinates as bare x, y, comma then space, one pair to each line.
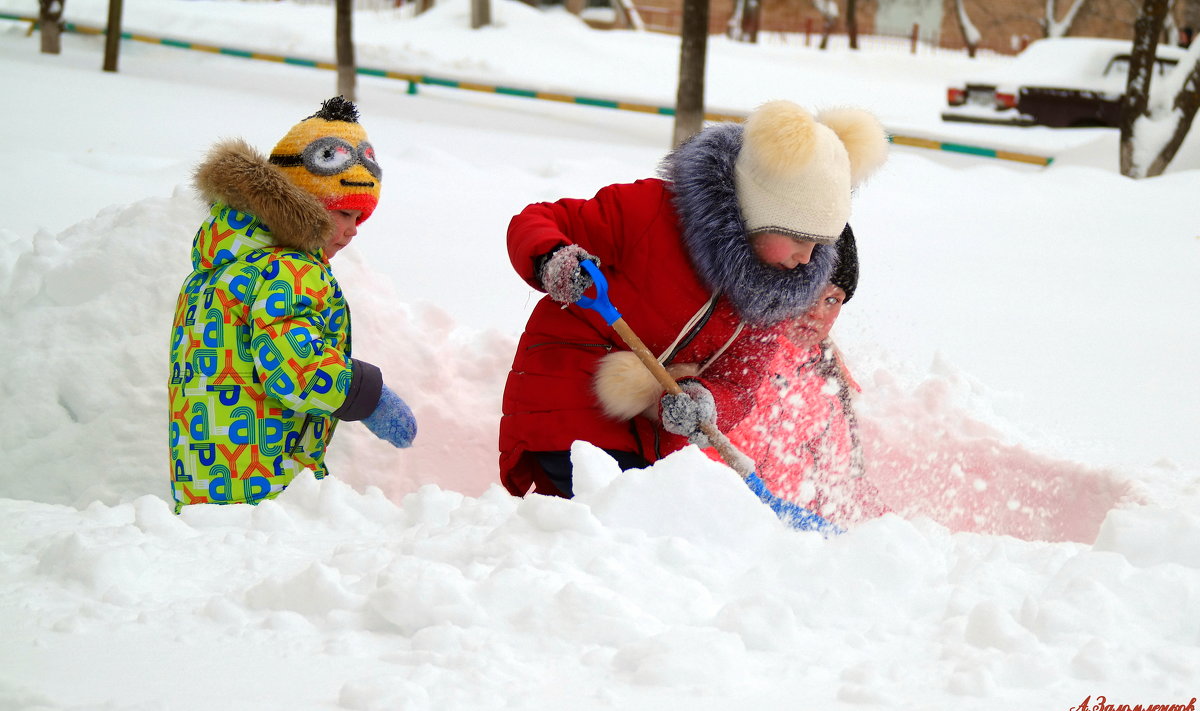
337, 109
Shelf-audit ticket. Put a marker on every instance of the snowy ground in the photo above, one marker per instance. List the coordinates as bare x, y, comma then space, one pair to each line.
1026, 339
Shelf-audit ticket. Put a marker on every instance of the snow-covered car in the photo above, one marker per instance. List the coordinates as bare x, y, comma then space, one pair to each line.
1062, 82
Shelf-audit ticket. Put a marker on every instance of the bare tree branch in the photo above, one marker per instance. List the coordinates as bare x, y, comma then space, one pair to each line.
1059, 28
1183, 109
1146, 30
967, 28
829, 15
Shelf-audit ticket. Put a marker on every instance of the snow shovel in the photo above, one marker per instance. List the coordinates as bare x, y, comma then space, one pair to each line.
795, 516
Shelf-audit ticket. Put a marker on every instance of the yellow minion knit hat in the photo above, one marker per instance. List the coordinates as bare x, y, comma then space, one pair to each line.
328, 155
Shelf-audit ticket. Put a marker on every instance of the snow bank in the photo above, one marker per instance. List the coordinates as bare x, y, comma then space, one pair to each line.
86, 316
88, 311
671, 583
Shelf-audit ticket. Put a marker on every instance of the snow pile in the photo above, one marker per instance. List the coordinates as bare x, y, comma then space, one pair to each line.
929, 456
87, 394
669, 584
88, 311
83, 314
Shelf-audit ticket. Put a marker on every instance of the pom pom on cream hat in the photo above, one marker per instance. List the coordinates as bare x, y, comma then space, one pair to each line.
795, 171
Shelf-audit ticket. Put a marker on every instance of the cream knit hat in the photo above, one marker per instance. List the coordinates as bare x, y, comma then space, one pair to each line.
795, 172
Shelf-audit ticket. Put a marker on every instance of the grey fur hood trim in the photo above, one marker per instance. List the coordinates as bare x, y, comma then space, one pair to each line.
239, 176
701, 173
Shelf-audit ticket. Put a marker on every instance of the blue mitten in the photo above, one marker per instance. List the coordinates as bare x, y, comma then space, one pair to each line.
562, 277
392, 420
683, 413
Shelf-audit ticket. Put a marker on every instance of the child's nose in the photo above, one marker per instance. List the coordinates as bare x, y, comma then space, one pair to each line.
802, 254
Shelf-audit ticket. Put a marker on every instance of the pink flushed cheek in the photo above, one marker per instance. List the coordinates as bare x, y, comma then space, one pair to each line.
771, 253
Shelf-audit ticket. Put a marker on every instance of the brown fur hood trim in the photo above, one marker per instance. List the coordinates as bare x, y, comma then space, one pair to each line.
236, 174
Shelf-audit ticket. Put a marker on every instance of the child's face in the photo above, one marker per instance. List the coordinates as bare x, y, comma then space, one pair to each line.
779, 251
813, 326
345, 226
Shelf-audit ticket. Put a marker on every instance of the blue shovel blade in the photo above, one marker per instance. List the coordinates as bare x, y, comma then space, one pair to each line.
792, 514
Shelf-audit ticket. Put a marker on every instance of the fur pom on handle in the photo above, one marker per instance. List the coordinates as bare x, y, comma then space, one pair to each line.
626, 388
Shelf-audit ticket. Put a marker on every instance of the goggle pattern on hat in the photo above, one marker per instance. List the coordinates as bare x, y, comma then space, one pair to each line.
332, 155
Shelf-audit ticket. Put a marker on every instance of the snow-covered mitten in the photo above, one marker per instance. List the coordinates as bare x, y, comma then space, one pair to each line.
392, 420
685, 412
562, 277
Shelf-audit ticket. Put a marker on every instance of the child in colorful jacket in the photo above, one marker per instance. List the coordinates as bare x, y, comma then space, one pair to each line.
802, 433
705, 264
260, 370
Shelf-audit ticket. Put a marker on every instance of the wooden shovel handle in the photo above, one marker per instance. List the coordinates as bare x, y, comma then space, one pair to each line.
735, 459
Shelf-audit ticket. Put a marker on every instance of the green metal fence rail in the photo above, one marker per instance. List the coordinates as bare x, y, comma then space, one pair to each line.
416, 79
971, 150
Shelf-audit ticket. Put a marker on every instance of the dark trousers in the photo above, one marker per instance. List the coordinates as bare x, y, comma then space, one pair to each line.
557, 466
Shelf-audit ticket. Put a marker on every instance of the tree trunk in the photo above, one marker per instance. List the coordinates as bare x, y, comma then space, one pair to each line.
743, 26
481, 13
344, 32
1170, 31
827, 29
112, 36
970, 34
620, 17
852, 22
1186, 103
733, 30
1146, 30
829, 13
753, 19
693, 48
50, 20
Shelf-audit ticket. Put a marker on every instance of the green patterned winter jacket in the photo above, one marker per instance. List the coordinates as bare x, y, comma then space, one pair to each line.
260, 367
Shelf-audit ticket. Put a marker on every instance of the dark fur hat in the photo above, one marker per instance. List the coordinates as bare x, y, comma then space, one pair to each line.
845, 274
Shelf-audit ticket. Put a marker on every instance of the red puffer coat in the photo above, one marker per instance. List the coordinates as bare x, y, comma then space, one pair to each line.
664, 252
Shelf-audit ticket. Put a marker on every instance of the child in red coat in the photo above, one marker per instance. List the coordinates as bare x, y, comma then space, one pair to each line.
706, 263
